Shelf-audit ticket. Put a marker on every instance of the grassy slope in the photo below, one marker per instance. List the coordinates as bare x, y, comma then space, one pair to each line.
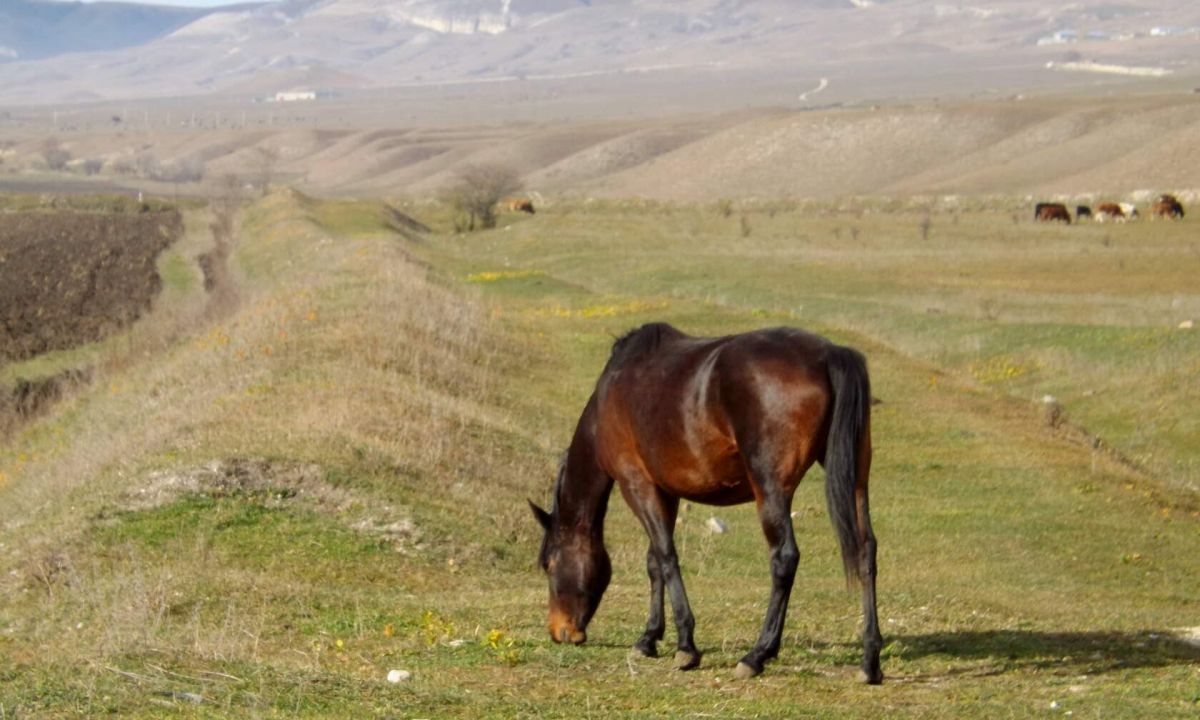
1018, 568
1087, 313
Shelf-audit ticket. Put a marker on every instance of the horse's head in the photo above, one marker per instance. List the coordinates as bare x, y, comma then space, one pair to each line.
579, 570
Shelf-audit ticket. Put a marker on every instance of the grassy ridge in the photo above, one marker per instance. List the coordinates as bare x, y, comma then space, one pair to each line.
329, 484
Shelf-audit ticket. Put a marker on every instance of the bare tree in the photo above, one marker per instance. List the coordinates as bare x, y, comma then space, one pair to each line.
123, 166
227, 198
475, 194
147, 165
188, 169
55, 155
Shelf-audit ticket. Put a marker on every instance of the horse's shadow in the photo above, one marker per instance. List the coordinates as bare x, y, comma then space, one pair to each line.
993, 652
984, 653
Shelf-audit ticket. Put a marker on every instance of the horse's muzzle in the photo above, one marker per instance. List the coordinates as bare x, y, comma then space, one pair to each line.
563, 629
566, 634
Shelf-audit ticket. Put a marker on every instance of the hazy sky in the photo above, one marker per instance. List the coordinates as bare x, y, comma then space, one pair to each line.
186, 3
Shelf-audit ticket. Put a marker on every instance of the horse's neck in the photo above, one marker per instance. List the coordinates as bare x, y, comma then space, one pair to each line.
584, 500
583, 497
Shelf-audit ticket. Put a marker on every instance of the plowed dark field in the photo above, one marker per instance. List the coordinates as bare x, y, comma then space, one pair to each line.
68, 278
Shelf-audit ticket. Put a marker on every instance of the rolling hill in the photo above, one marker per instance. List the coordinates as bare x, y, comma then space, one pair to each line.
860, 46
1126, 146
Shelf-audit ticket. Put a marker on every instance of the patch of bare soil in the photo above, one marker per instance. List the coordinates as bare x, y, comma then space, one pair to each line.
69, 278
276, 484
29, 398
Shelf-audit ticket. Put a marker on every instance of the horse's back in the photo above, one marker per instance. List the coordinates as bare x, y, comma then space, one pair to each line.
683, 411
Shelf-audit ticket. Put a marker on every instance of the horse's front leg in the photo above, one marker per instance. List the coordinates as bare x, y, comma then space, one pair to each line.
657, 512
647, 644
686, 654
773, 513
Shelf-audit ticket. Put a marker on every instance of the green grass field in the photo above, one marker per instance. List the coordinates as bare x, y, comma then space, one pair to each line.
262, 516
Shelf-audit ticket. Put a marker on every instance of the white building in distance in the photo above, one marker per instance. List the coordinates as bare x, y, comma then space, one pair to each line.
295, 95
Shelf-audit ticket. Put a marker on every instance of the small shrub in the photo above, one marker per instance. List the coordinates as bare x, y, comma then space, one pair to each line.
190, 169
146, 165
474, 196
55, 155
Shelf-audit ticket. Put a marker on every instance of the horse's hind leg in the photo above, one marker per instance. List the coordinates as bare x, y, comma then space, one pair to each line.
647, 644
872, 639
774, 514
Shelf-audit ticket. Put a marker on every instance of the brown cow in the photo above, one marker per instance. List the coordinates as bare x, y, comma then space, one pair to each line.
1048, 212
1109, 211
524, 205
1167, 206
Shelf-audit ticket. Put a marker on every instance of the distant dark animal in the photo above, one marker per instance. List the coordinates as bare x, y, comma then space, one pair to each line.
1167, 206
1081, 212
524, 205
719, 421
1048, 212
1109, 211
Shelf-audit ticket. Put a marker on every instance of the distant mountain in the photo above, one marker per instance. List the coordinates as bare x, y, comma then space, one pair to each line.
36, 29
341, 44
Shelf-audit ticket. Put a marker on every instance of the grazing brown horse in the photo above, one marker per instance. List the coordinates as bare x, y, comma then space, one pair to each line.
1047, 212
524, 205
1110, 211
719, 421
1167, 206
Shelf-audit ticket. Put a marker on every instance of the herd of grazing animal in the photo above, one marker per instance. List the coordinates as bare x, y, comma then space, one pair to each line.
1164, 206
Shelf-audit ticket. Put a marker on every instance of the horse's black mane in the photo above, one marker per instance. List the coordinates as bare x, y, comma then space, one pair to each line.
639, 342
544, 551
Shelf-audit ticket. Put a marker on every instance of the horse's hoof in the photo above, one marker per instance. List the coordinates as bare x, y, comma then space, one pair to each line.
685, 660
870, 678
745, 671
646, 651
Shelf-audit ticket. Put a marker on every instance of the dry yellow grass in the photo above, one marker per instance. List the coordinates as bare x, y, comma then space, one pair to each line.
342, 352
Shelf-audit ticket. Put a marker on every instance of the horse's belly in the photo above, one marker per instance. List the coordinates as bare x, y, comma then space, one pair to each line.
733, 495
719, 482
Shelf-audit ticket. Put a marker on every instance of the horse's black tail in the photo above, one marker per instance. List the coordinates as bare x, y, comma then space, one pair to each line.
847, 433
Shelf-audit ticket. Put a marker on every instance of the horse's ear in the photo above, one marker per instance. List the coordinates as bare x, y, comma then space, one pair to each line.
542, 516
